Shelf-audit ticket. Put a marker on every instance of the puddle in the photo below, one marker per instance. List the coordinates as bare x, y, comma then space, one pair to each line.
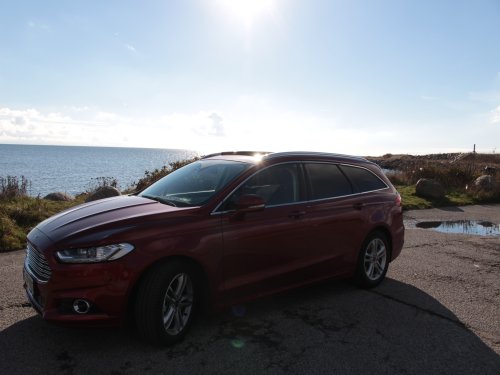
476, 227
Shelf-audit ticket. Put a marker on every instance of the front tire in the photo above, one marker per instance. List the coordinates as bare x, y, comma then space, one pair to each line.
373, 260
165, 303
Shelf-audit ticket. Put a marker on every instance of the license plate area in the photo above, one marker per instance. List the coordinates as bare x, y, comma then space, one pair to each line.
29, 283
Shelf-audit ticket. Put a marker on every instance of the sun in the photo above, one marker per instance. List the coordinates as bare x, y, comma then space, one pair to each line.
247, 11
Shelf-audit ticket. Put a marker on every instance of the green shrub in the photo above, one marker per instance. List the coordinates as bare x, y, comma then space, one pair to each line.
12, 237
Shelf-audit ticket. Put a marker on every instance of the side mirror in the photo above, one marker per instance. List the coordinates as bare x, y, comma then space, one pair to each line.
250, 203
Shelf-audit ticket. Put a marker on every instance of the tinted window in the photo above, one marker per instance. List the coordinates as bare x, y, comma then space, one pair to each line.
277, 185
362, 179
326, 181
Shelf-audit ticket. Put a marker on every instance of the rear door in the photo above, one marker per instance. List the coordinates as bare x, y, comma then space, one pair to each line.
337, 223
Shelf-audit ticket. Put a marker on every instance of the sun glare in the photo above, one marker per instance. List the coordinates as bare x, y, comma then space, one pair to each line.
247, 10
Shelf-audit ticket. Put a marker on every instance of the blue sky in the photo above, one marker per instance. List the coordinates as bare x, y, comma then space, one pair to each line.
361, 77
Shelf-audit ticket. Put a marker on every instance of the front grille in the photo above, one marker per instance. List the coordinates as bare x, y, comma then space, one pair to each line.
37, 264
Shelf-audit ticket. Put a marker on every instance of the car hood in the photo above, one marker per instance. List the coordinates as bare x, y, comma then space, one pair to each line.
102, 218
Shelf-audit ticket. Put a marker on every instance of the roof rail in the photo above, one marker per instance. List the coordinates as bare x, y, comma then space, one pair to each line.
244, 153
311, 153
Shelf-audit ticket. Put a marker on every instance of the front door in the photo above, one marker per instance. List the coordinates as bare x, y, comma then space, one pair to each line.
267, 250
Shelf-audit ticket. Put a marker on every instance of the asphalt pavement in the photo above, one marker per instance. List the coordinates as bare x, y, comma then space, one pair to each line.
438, 312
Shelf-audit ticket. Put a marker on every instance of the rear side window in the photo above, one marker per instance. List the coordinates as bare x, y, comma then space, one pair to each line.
362, 179
326, 181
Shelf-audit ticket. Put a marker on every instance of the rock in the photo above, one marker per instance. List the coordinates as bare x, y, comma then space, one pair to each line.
490, 170
103, 192
59, 197
428, 188
484, 183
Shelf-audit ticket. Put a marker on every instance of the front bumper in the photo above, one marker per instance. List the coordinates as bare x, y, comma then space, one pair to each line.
53, 299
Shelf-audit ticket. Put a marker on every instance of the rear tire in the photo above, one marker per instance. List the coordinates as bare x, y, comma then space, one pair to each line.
373, 260
165, 303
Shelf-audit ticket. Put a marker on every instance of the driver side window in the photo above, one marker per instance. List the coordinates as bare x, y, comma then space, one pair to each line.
276, 185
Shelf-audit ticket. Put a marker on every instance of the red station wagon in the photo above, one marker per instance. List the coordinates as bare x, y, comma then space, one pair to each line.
222, 230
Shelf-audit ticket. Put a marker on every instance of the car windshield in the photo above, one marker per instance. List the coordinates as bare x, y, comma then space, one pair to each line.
196, 183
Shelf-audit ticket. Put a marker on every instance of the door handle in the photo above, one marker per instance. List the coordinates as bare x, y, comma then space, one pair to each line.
296, 214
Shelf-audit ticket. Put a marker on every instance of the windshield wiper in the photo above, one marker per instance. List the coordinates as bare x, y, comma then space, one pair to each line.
160, 199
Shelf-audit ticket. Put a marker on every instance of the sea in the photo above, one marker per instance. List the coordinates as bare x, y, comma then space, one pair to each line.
75, 169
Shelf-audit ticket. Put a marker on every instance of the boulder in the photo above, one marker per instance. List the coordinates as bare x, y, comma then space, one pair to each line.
103, 192
490, 170
59, 197
428, 188
484, 183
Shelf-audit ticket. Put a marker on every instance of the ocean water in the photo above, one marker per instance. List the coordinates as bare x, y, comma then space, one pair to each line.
71, 168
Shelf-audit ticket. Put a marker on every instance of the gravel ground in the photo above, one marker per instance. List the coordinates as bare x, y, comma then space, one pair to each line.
437, 313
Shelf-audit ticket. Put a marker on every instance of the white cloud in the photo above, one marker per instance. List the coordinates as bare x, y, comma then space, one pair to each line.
131, 48
101, 128
106, 117
79, 108
33, 126
217, 125
37, 25
250, 124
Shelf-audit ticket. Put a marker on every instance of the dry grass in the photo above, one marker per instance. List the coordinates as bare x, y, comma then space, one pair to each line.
456, 176
20, 214
14, 187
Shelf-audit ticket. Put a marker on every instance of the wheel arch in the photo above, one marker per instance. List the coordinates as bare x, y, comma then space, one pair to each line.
202, 281
386, 232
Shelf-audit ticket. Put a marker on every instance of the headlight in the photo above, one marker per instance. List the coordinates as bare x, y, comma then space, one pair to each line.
94, 254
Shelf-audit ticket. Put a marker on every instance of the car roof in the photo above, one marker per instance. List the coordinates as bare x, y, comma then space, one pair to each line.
255, 157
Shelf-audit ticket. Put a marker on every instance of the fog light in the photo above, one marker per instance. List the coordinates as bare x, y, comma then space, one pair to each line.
80, 306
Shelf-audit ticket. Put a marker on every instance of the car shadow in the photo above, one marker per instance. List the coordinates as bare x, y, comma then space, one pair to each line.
329, 328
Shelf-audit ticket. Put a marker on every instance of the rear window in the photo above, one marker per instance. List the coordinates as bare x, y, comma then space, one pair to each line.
326, 181
362, 179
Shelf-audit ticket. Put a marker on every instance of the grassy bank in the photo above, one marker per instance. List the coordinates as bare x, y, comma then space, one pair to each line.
19, 212
455, 172
18, 215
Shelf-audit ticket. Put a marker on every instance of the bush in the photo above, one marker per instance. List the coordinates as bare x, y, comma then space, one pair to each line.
99, 182
151, 177
13, 187
452, 176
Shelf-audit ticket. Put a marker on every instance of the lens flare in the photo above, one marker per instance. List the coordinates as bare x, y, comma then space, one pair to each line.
237, 343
